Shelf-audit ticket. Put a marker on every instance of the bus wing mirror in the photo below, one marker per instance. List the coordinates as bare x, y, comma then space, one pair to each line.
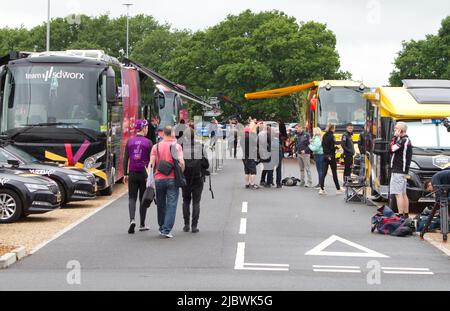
111, 90
381, 147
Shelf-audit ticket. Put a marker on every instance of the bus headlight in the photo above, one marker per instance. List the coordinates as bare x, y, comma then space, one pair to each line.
91, 162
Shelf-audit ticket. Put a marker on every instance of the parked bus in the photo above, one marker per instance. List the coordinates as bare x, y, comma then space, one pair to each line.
329, 101
169, 106
77, 107
424, 105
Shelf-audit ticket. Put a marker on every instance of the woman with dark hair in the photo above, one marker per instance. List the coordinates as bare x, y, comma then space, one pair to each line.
329, 158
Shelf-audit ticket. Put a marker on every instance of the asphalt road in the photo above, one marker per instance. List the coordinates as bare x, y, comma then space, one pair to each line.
266, 251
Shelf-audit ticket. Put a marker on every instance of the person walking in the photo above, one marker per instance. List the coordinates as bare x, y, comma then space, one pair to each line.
329, 159
316, 148
249, 143
196, 164
233, 138
304, 156
401, 156
167, 192
349, 150
152, 134
265, 156
135, 162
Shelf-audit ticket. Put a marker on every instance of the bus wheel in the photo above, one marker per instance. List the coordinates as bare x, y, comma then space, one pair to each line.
109, 191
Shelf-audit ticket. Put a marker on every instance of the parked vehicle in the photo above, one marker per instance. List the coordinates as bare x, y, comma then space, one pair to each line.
25, 194
76, 107
425, 106
75, 184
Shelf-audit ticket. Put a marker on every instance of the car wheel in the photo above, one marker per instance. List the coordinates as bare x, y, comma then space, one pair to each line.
10, 206
63, 193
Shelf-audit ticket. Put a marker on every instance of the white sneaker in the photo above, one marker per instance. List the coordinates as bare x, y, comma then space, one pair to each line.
168, 235
340, 191
322, 192
143, 229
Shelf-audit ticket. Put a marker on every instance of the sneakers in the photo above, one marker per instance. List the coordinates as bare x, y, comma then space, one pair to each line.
247, 186
186, 228
168, 235
322, 192
144, 228
254, 187
195, 230
317, 187
340, 191
279, 186
132, 227
262, 184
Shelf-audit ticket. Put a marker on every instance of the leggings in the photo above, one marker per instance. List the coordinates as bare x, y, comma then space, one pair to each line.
137, 184
329, 161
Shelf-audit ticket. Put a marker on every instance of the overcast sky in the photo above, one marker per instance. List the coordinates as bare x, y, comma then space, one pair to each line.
369, 32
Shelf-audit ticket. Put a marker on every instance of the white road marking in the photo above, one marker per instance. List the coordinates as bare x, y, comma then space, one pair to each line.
244, 207
241, 265
366, 252
337, 267
73, 225
337, 271
405, 269
243, 226
265, 264
407, 272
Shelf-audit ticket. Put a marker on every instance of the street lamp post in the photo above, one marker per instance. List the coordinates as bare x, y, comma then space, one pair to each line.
128, 17
48, 25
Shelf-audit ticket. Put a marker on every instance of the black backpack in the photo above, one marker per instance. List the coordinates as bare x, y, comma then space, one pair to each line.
196, 168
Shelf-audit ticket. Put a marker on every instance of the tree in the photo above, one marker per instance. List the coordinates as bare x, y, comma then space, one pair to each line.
424, 59
255, 51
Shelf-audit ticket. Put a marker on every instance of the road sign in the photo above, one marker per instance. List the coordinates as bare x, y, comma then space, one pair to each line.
319, 250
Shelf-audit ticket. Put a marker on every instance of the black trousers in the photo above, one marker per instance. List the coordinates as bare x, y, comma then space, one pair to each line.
136, 186
192, 192
267, 177
280, 171
331, 162
348, 163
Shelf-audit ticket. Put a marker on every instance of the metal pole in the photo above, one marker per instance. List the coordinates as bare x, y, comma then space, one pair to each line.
128, 25
48, 25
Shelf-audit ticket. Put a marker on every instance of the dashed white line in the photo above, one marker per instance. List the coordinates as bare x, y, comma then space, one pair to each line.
244, 207
243, 226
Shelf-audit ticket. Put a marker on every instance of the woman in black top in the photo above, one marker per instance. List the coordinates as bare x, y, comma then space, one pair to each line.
329, 158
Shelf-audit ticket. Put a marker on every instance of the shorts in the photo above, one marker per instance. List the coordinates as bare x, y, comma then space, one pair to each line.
250, 167
398, 183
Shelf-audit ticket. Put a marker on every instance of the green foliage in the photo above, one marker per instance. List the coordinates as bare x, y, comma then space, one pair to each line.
256, 51
424, 59
244, 53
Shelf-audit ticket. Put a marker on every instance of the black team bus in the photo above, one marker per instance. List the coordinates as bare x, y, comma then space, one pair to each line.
76, 107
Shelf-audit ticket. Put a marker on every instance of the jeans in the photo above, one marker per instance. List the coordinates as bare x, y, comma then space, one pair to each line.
329, 160
166, 200
192, 192
318, 158
137, 184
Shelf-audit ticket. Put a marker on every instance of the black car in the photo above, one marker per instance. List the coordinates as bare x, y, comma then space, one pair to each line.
75, 184
24, 194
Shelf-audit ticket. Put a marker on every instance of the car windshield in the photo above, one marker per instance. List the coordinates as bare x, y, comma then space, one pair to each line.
340, 106
428, 135
64, 94
22, 155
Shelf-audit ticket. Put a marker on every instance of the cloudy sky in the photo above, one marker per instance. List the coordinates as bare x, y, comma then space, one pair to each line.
369, 32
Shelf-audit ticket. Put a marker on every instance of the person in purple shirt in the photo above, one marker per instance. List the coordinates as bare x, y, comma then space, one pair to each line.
135, 163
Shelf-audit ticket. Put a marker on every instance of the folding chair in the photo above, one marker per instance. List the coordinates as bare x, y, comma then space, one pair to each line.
355, 189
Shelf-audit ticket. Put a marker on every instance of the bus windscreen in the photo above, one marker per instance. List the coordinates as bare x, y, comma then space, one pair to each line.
56, 94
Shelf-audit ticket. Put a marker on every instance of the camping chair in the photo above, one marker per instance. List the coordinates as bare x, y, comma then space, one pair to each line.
355, 189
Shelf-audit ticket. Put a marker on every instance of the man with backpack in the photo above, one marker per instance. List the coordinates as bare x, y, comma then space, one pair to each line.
196, 165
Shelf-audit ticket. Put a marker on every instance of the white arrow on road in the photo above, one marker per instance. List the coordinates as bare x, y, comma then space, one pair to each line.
319, 250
